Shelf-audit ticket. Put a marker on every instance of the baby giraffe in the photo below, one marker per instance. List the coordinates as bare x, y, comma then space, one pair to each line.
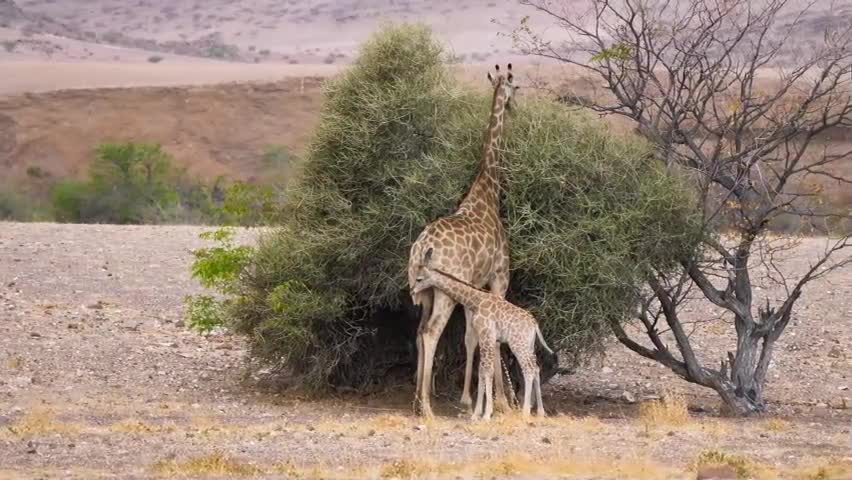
494, 319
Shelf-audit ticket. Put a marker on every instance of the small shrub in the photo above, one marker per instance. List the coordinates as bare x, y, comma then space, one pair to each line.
218, 268
155, 59
35, 171
671, 410
249, 204
9, 45
216, 463
277, 156
13, 206
68, 198
741, 465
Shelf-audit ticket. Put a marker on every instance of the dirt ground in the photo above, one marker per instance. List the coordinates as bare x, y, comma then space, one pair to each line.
99, 378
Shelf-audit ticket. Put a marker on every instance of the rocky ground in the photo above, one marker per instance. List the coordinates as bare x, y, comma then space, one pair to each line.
100, 378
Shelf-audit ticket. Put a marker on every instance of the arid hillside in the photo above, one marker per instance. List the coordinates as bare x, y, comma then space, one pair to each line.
218, 130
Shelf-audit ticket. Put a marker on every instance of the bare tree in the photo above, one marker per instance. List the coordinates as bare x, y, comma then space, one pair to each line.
731, 97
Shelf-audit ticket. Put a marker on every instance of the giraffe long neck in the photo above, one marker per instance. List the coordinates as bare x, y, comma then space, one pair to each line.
460, 291
485, 190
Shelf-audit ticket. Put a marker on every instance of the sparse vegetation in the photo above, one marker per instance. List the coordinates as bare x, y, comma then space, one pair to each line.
41, 421
216, 463
132, 183
155, 59
218, 268
35, 171
741, 465
669, 411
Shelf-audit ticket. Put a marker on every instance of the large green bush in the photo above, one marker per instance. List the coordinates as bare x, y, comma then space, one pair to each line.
325, 295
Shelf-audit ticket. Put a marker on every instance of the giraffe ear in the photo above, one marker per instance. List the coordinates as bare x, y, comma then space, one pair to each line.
427, 257
509, 67
509, 77
497, 67
490, 78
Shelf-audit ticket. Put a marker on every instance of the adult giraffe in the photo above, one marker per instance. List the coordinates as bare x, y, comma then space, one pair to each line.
471, 245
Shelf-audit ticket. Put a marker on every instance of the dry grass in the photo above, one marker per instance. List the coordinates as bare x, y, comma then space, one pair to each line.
825, 469
386, 423
744, 467
138, 426
216, 463
41, 421
776, 425
15, 363
670, 411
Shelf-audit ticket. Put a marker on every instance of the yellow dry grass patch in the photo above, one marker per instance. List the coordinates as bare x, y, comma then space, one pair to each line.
216, 463
776, 425
745, 468
510, 423
669, 411
387, 423
824, 469
505, 465
138, 426
15, 363
41, 421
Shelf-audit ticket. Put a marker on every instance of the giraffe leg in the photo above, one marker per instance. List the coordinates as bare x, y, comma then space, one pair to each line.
526, 358
499, 286
539, 404
470, 342
480, 393
442, 307
489, 398
425, 314
528, 380
487, 350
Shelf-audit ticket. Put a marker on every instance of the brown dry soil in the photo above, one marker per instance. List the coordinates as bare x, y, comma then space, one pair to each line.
215, 130
99, 378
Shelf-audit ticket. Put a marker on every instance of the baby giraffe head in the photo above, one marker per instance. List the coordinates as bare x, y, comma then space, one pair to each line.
425, 275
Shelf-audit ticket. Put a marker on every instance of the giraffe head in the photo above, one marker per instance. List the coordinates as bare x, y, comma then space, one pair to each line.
424, 278
504, 83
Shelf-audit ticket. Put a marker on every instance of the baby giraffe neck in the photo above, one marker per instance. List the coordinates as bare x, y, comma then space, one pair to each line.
459, 290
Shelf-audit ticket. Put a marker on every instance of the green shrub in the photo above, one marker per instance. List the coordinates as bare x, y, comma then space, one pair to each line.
216, 267
133, 183
251, 204
69, 198
326, 294
13, 206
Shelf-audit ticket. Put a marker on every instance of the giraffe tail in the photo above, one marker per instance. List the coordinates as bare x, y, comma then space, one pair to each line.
541, 339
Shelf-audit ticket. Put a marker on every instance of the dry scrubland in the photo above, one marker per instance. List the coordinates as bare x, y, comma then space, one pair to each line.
100, 378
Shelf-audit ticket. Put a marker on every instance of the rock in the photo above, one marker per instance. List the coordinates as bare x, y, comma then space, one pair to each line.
606, 370
420, 427
546, 440
628, 397
843, 387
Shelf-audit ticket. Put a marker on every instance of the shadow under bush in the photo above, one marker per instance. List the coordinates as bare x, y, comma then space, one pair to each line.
325, 295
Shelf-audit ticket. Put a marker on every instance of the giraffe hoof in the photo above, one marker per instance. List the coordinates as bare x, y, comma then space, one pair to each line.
466, 400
